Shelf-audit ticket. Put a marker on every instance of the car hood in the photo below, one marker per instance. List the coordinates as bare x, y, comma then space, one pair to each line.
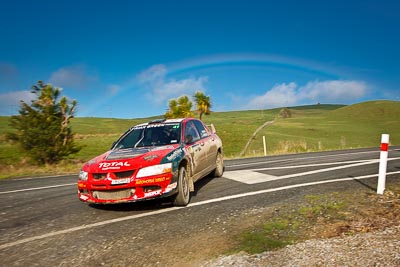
131, 158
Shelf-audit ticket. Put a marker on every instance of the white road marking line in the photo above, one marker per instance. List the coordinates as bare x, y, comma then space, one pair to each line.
249, 177
313, 165
46, 177
318, 157
205, 202
36, 188
87, 226
253, 176
285, 188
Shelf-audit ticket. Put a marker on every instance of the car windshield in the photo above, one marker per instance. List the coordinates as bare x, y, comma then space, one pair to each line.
159, 134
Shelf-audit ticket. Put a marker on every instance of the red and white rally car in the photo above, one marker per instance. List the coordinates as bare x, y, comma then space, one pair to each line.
156, 159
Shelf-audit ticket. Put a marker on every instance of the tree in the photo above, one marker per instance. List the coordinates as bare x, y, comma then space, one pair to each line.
203, 103
178, 108
285, 113
42, 128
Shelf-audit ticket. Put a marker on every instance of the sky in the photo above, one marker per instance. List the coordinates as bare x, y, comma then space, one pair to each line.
127, 58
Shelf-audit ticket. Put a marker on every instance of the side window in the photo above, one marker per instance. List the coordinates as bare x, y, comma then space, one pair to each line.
191, 134
202, 130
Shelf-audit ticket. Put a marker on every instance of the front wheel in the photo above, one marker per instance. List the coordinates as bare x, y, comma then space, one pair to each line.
183, 196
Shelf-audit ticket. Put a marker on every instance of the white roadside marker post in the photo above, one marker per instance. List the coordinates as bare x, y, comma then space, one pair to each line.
265, 146
383, 164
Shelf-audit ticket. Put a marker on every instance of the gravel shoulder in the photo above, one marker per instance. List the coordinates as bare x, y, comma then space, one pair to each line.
369, 235
377, 248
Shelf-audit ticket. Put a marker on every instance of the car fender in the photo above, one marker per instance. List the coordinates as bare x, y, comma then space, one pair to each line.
176, 157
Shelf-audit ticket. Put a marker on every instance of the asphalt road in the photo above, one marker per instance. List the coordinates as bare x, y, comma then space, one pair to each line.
42, 222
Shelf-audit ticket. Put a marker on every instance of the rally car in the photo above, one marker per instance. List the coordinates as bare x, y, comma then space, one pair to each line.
162, 158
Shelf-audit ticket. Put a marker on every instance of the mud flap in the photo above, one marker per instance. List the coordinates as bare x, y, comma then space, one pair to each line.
191, 184
189, 171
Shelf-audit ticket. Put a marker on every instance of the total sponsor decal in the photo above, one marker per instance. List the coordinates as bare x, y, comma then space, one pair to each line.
152, 180
116, 165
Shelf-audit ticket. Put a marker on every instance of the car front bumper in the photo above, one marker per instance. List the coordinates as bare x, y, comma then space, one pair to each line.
107, 192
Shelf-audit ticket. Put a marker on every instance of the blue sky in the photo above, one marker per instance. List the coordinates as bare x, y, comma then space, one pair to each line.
127, 59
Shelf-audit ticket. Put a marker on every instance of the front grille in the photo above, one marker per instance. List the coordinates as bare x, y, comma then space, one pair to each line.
113, 194
99, 176
126, 174
118, 175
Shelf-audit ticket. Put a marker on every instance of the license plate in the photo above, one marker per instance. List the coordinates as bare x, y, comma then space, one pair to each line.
121, 181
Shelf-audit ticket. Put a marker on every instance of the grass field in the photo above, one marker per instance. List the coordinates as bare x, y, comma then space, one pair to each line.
330, 128
311, 128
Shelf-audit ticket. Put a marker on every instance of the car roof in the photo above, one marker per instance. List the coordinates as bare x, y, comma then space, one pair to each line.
162, 121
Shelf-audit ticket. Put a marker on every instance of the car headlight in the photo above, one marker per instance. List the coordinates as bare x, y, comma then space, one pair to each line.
154, 170
83, 175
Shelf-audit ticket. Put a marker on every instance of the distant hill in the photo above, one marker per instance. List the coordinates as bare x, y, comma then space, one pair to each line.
319, 106
384, 109
311, 128
326, 127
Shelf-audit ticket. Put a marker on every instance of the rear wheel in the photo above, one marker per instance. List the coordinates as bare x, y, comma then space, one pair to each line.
219, 170
183, 196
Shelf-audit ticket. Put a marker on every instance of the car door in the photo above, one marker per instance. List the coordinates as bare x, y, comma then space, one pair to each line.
208, 143
195, 147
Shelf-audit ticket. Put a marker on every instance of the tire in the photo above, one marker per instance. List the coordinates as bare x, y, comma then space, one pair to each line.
183, 196
219, 170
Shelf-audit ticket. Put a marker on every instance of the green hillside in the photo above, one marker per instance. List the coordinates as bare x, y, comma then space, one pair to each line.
372, 110
311, 128
355, 126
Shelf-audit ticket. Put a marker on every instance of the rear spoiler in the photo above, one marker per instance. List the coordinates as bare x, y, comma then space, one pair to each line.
212, 128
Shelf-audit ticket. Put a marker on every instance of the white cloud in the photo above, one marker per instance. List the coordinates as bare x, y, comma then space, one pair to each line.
176, 88
335, 91
76, 76
153, 75
161, 89
16, 96
11, 101
280, 95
